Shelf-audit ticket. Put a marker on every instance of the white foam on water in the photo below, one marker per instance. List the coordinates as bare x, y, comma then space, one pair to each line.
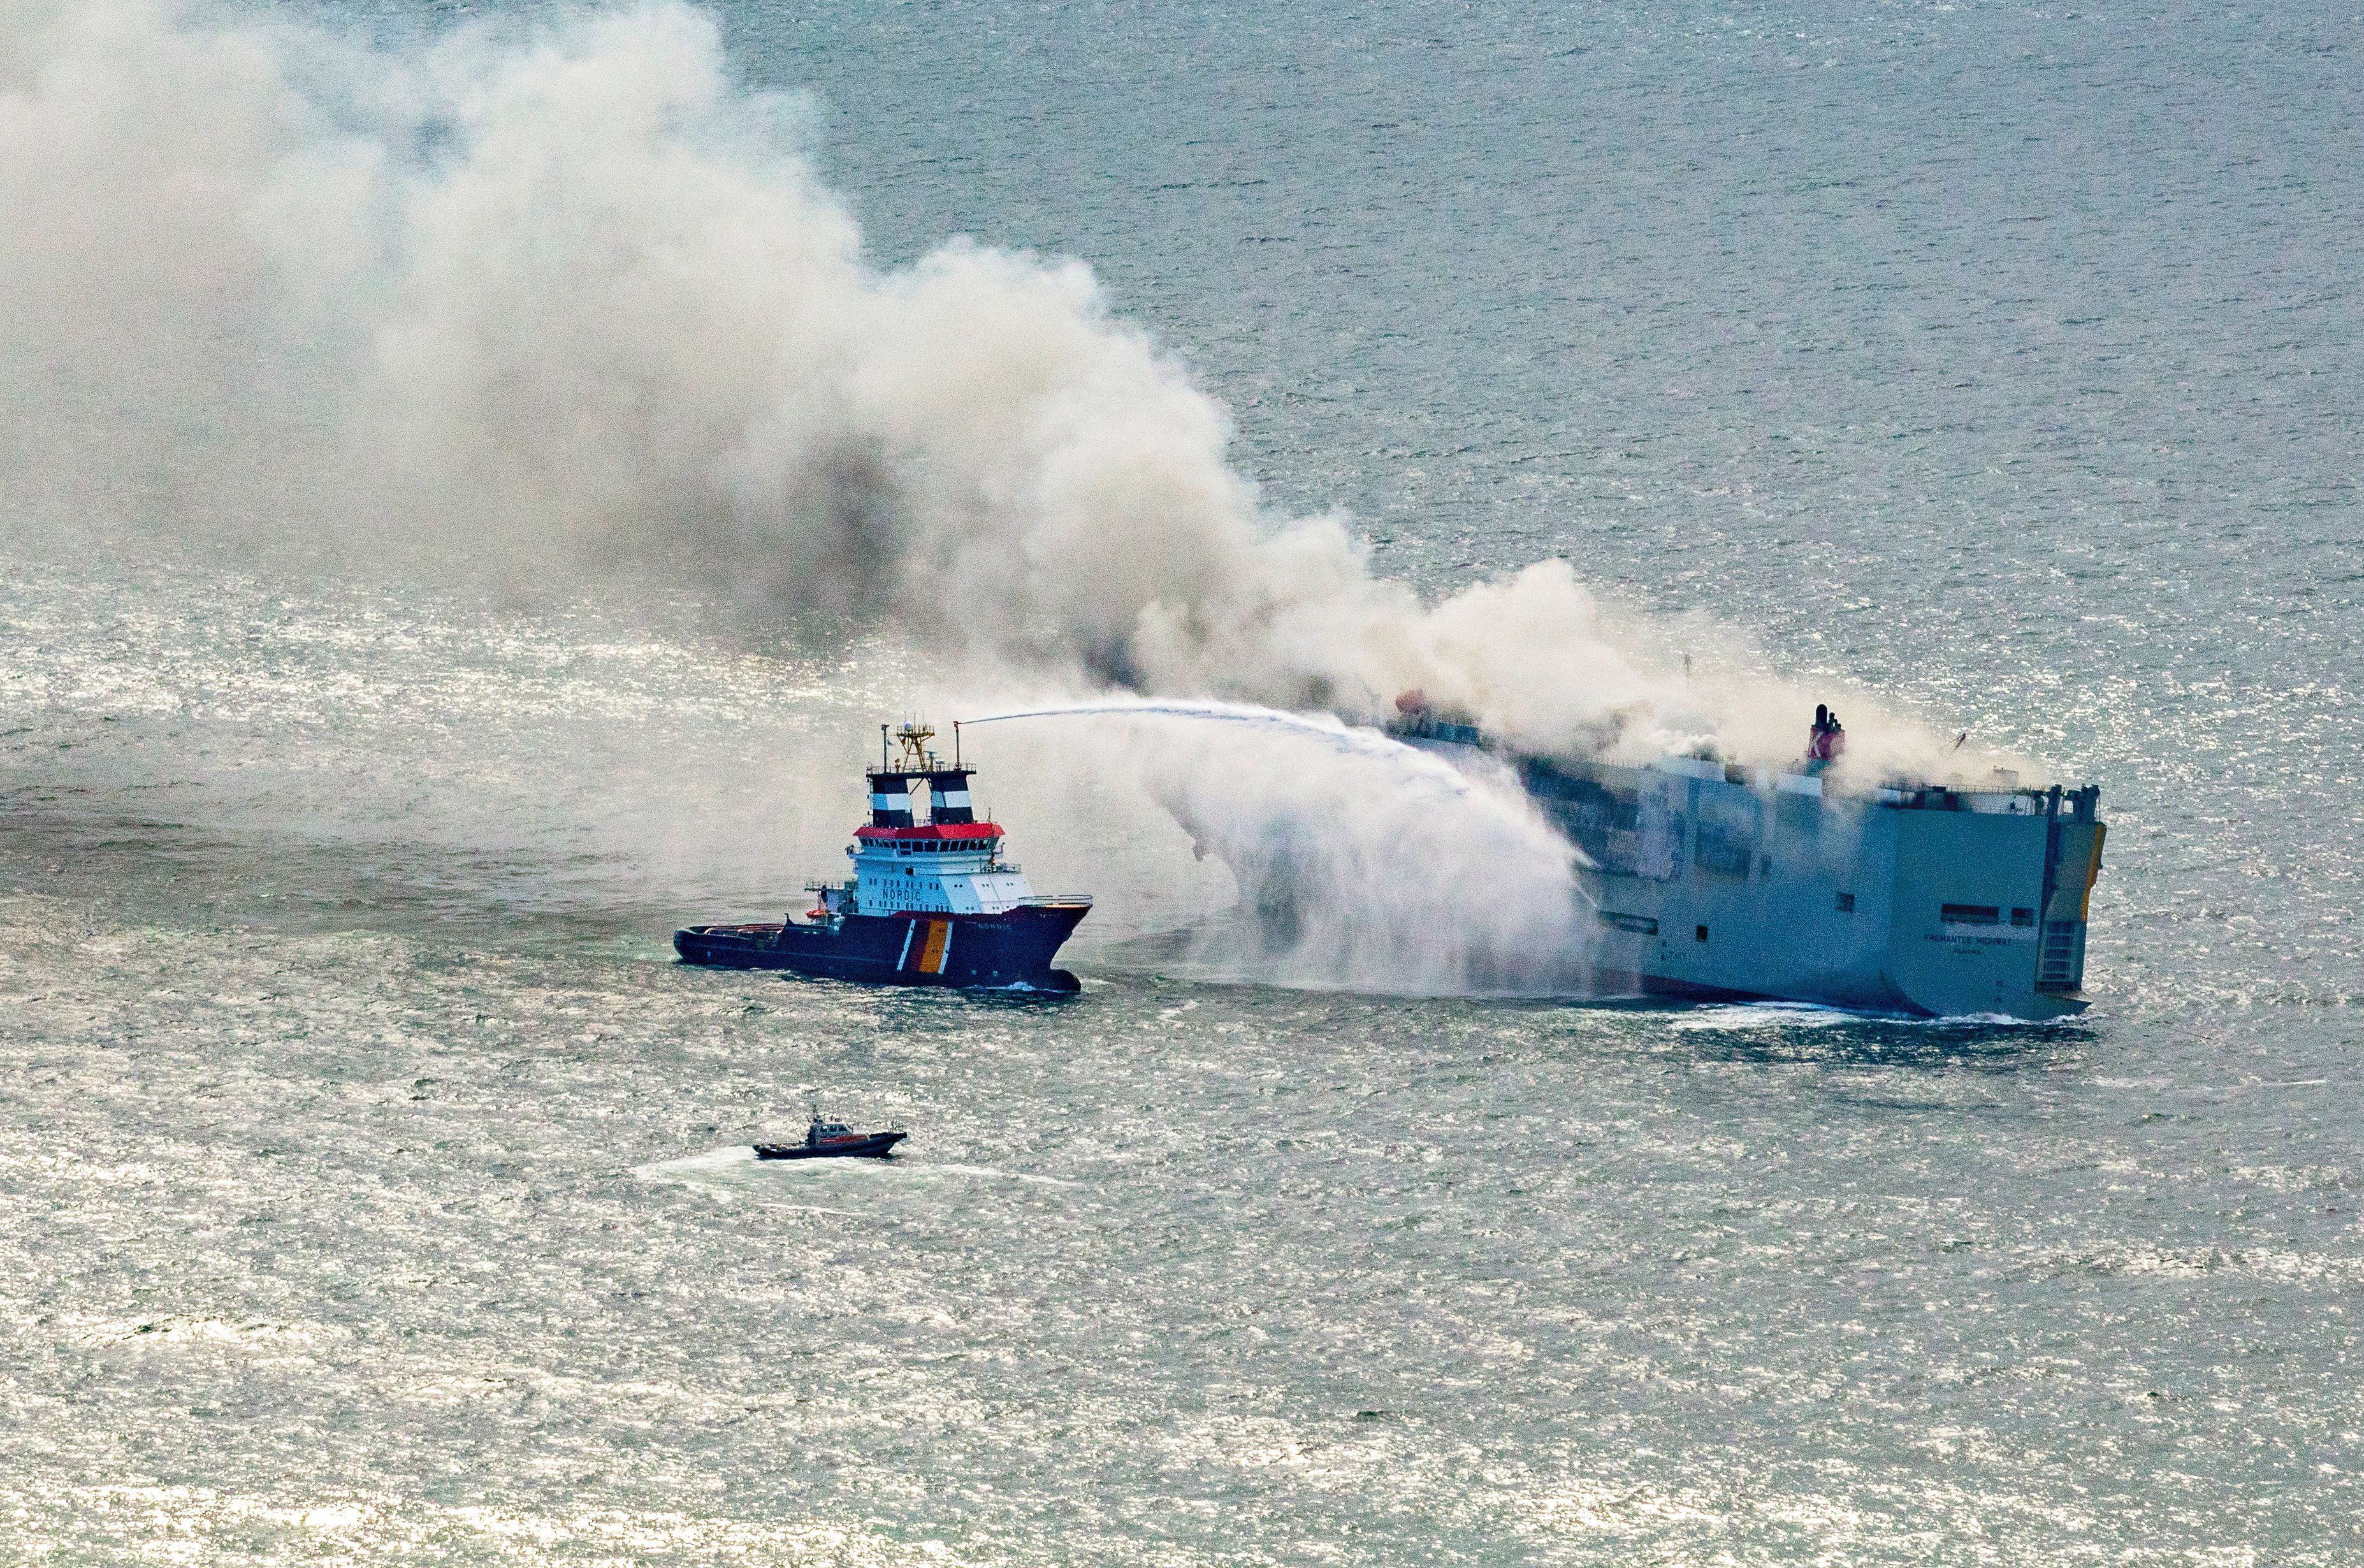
703, 1172
730, 1174
711, 1160
1814, 1015
1763, 1014
1980, 1020
996, 1173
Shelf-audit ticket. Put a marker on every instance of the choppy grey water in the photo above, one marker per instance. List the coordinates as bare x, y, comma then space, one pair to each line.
375, 1187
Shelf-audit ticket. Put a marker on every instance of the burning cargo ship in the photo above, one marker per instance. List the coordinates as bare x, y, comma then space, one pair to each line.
1710, 880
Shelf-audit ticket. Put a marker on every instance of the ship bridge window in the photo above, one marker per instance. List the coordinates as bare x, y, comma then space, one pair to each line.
1970, 915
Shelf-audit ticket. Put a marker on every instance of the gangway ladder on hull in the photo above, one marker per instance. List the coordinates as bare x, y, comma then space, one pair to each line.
2060, 966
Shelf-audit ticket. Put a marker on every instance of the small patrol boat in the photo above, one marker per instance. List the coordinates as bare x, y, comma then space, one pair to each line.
833, 1140
931, 902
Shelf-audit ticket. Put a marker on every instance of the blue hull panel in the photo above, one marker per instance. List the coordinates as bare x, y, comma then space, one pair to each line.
1010, 949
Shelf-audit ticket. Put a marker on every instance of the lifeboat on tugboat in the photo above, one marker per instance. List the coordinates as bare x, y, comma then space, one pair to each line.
931, 902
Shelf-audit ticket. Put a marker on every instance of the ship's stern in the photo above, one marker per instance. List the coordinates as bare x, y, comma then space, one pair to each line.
1990, 903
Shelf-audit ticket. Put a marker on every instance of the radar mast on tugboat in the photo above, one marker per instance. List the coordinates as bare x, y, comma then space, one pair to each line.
931, 902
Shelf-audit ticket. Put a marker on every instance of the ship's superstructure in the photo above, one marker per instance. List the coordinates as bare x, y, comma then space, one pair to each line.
1712, 880
931, 901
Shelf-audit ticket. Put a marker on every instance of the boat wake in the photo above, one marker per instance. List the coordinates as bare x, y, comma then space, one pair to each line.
996, 1174
690, 1167
730, 1174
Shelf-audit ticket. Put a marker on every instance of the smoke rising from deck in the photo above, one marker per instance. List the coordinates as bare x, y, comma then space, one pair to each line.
559, 309
558, 312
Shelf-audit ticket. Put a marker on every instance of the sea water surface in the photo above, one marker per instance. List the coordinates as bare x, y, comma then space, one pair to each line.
374, 1187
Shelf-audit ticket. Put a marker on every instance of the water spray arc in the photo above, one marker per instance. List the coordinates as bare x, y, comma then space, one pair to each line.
1430, 774
1362, 863
1417, 767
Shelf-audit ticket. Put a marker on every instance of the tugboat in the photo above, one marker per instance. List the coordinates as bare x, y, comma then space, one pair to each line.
931, 902
833, 1140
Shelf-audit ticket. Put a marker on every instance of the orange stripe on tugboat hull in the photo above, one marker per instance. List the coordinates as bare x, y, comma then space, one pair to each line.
932, 957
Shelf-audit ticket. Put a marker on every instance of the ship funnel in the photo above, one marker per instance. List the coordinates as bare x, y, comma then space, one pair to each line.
890, 801
950, 802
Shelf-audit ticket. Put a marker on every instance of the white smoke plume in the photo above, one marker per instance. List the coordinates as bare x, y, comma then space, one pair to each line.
560, 309
557, 312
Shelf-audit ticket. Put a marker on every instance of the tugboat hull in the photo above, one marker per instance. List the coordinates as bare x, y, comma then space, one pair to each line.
1011, 951
877, 1146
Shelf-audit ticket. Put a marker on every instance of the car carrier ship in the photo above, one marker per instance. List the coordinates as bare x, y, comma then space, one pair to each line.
1710, 880
931, 902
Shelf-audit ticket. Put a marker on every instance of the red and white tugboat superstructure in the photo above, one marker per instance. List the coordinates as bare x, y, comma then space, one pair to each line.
931, 903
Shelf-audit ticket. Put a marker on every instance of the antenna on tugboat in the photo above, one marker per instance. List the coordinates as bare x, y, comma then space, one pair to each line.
956, 723
882, 748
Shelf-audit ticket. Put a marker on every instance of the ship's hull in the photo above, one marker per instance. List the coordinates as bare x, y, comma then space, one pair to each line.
1849, 904
1010, 951
1835, 990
